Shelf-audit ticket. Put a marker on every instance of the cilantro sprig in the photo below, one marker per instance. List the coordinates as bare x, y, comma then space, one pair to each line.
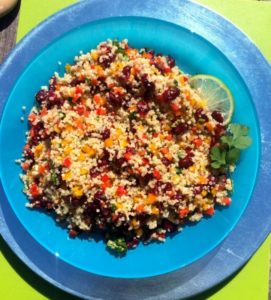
229, 149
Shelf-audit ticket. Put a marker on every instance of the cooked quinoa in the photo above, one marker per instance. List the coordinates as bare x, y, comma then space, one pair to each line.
121, 145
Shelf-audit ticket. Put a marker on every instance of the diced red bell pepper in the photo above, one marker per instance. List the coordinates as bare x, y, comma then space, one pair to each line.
210, 211
157, 174
121, 191
34, 190
183, 212
67, 162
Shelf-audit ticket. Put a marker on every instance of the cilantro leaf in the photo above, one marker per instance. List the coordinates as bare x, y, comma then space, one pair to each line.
240, 138
218, 157
227, 139
232, 156
242, 142
238, 130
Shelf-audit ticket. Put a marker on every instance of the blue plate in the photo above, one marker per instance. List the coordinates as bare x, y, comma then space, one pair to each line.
197, 49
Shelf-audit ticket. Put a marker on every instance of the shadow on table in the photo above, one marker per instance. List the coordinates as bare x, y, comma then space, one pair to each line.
8, 19
53, 293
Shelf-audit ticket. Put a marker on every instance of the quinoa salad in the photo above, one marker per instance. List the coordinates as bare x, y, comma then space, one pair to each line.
122, 145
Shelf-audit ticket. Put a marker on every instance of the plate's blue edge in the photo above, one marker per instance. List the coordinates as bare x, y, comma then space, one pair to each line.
255, 224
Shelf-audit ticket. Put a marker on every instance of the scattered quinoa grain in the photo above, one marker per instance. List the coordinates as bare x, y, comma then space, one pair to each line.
120, 144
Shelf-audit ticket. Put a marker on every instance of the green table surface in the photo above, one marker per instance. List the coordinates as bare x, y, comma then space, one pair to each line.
251, 282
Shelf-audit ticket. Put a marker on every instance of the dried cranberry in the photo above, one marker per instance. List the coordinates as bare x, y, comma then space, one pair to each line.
76, 82
157, 187
170, 94
99, 196
168, 226
166, 161
38, 127
116, 100
200, 115
217, 116
53, 99
73, 233
78, 201
116, 164
126, 71
94, 172
149, 87
133, 243
167, 187
144, 180
132, 129
28, 154
185, 162
180, 129
197, 189
105, 134
41, 96
107, 59
53, 83
189, 150
219, 130
170, 61
131, 150
142, 107
178, 195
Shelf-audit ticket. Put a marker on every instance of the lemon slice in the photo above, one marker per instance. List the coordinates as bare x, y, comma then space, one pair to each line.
215, 94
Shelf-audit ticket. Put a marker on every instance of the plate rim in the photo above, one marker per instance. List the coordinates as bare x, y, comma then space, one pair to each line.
82, 4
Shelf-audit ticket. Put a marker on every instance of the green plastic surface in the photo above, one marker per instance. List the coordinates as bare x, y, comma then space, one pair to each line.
251, 282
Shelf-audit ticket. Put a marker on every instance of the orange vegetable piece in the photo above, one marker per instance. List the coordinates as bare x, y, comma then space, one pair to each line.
108, 143
42, 169
32, 117
183, 212
209, 126
151, 198
198, 142
169, 137
202, 180
164, 150
128, 155
140, 208
101, 111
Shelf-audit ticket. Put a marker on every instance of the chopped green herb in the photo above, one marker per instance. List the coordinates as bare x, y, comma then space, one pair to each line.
179, 154
132, 116
87, 81
113, 207
116, 43
178, 170
119, 245
175, 82
54, 178
121, 51
201, 120
70, 102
